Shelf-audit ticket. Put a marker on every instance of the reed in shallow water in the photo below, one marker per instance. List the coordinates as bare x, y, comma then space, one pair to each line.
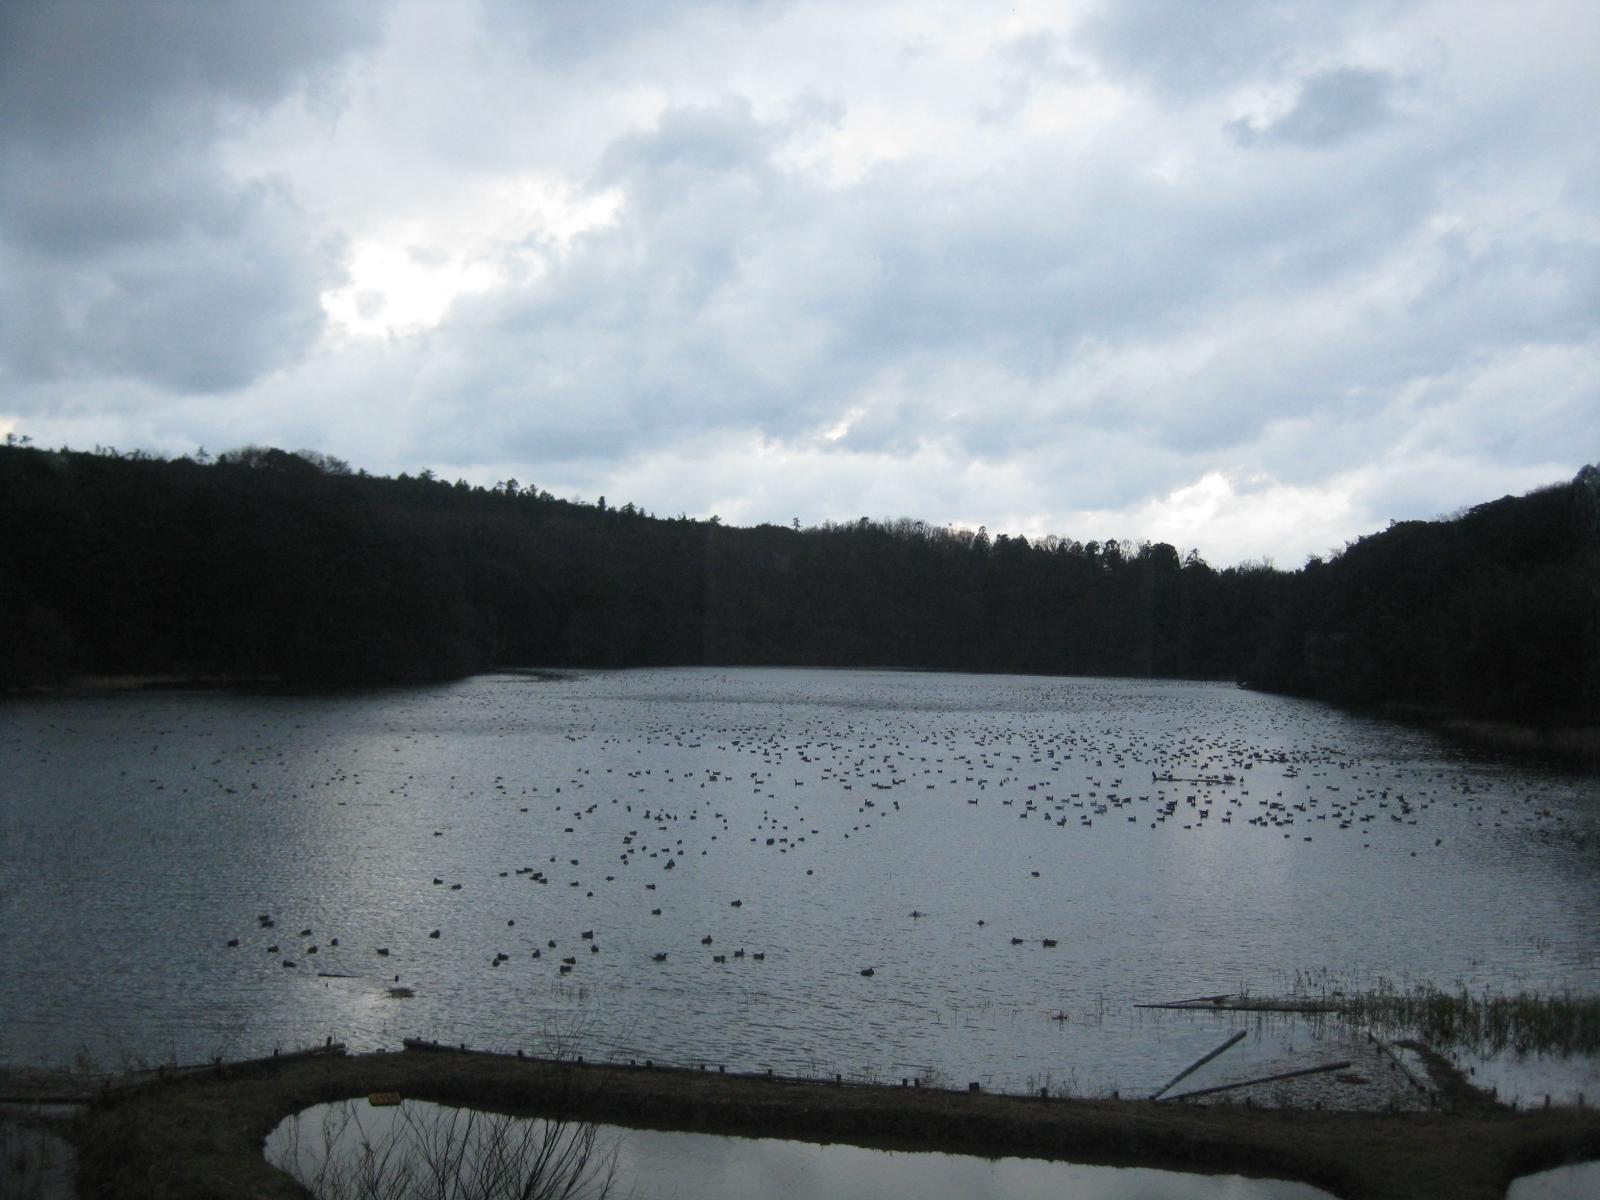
1527, 1022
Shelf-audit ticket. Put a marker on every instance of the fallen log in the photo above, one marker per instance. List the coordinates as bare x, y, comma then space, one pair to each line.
1197, 1064
1246, 1004
1228, 1087
1191, 1002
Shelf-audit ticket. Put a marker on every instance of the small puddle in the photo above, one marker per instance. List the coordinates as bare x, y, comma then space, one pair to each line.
332, 1148
1581, 1181
34, 1164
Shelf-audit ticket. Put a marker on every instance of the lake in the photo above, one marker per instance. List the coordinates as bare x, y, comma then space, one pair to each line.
881, 875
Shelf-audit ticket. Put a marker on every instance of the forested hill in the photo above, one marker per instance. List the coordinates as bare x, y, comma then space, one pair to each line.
269, 564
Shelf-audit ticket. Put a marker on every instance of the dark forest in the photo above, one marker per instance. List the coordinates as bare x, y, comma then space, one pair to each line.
292, 567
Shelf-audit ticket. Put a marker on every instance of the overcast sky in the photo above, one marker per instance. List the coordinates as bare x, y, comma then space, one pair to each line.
1254, 278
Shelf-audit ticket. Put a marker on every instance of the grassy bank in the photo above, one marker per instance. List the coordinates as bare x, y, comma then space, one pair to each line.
201, 1135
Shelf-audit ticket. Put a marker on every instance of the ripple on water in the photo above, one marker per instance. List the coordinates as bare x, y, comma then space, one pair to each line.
146, 832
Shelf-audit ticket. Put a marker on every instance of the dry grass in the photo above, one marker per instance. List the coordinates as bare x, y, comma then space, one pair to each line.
1486, 1022
1524, 1022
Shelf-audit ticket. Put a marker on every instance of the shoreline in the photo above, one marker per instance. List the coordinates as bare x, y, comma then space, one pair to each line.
80, 686
200, 1132
1574, 747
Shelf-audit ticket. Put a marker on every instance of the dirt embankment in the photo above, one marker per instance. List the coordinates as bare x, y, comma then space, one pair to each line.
201, 1134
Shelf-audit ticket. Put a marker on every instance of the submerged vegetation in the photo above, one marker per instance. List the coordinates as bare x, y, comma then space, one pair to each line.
294, 567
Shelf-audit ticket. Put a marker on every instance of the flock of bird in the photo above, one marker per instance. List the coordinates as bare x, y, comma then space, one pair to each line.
795, 783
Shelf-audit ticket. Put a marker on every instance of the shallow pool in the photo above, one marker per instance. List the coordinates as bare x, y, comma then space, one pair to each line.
334, 1148
1580, 1181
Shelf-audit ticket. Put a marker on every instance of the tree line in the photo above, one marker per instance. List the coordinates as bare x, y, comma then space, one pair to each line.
264, 564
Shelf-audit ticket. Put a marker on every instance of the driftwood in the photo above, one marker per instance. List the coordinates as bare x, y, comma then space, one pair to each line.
1191, 1002
1228, 1087
1226, 1003
1197, 1064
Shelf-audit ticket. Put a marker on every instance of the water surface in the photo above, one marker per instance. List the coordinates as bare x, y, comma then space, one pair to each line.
654, 1165
804, 827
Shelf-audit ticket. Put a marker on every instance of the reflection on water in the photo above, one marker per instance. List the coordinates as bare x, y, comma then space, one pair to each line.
428, 1146
411, 1151
34, 1164
1578, 1182
701, 866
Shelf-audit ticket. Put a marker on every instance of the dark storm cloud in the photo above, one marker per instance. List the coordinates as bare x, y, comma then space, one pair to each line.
657, 325
204, 307
126, 248
566, 32
732, 292
690, 150
76, 70
1188, 49
1332, 106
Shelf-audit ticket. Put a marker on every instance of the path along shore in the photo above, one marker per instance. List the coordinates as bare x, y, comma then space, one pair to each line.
199, 1133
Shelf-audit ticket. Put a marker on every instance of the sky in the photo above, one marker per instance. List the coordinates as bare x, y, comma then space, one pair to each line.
1252, 278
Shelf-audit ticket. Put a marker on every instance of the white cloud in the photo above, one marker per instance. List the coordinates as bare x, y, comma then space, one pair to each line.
402, 276
1252, 518
1331, 106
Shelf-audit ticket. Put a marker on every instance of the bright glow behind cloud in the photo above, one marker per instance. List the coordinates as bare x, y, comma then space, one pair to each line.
403, 277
